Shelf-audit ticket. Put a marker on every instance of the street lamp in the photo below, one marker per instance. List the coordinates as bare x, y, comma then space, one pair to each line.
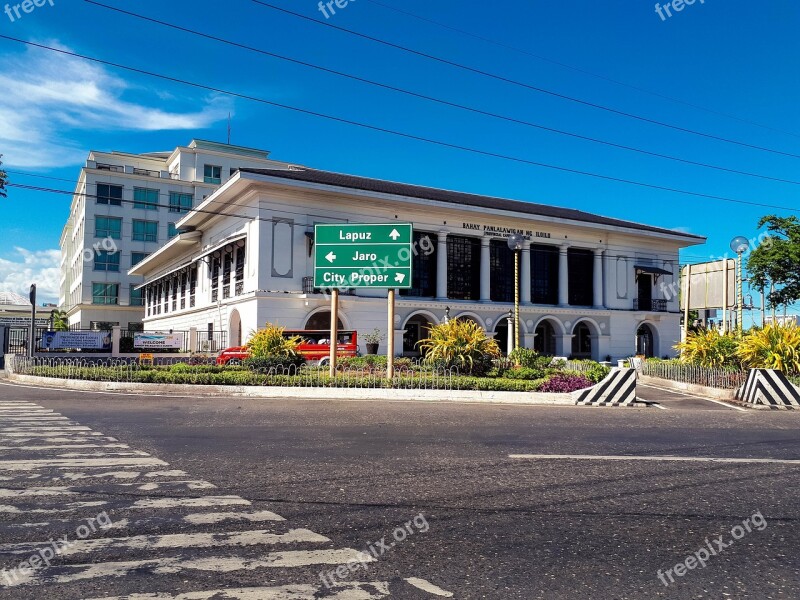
515, 243
739, 245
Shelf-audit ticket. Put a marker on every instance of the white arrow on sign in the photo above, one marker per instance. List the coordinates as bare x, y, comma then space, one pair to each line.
331, 257
394, 235
400, 277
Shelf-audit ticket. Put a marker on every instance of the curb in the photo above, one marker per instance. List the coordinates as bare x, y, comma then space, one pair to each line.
350, 394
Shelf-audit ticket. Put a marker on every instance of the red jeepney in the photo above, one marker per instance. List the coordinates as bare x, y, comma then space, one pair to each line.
314, 347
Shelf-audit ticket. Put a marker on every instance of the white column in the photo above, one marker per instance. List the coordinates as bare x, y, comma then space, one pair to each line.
441, 266
598, 278
563, 276
486, 265
525, 276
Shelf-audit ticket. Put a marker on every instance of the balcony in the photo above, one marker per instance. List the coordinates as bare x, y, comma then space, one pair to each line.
650, 306
146, 172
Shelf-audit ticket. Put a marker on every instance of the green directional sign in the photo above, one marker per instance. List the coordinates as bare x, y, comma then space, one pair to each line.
363, 255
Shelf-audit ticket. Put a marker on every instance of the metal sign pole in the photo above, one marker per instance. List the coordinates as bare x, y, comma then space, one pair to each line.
390, 339
725, 284
516, 300
334, 341
32, 334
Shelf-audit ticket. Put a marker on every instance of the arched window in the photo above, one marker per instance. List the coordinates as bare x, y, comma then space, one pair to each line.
582, 341
545, 341
645, 341
322, 321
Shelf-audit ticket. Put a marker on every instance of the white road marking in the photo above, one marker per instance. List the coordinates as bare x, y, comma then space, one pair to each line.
174, 541
372, 590
154, 503
91, 454
32, 418
656, 458
32, 465
147, 476
37, 491
63, 447
41, 429
179, 564
66, 508
427, 586
213, 518
48, 434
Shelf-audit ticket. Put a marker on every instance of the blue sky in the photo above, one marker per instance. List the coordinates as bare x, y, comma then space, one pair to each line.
734, 57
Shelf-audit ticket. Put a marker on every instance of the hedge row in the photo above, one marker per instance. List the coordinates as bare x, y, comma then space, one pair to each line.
244, 377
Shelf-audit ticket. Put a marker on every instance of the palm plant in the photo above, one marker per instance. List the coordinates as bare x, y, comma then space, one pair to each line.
709, 348
459, 343
270, 342
774, 347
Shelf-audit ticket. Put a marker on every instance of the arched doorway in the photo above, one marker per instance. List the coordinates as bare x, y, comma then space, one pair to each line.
645, 341
501, 331
235, 329
416, 329
322, 321
545, 340
582, 341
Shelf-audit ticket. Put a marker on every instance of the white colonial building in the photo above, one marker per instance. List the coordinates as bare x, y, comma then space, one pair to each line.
124, 208
591, 286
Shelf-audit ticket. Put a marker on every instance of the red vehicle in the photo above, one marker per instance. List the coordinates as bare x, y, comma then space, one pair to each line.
314, 347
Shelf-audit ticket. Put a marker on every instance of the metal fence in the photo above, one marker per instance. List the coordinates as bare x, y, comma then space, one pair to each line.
716, 378
196, 371
211, 341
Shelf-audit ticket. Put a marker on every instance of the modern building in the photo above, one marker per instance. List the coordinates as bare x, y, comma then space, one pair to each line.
591, 286
123, 209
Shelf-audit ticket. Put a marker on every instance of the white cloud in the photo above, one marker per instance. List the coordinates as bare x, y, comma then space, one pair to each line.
48, 97
26, 267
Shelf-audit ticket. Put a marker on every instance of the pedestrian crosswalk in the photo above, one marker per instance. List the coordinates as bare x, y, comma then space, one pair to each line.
86, 516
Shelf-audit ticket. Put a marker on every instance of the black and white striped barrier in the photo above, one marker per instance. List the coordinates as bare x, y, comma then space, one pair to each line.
771, 388
618, 389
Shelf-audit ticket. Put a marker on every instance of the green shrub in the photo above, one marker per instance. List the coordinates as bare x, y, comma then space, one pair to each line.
596, 373
527, 373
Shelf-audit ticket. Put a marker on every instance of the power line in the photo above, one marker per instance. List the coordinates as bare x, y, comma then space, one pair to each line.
577, 69
523, 84
437, 100
219, 213
400, 133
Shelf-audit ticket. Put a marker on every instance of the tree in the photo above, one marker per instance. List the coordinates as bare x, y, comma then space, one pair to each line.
60, 320
3, 179
777, 260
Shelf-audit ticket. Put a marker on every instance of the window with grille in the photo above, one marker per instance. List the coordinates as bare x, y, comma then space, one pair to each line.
581, 277
501, 271
108, 227
109, 194
463, 268
544, 274
106, 261
145, 199
227, 262
192, 286
240, 255
424, 266
214, 279
105, 293
179, 202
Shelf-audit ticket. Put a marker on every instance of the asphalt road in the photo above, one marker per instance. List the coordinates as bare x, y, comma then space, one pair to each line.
345, 475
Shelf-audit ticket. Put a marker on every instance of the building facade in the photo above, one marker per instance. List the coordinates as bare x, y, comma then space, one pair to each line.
590, 286
123, 209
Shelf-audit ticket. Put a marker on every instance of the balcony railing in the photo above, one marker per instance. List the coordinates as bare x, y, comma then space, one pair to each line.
112, 168
147, 172
653, 306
